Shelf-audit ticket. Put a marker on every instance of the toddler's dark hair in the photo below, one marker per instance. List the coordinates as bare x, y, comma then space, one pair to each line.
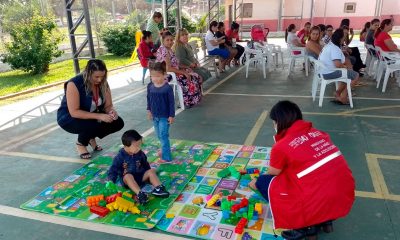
158, 66
130, 136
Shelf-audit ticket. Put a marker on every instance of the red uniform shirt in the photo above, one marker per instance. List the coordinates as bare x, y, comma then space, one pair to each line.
303, 35
231, 34
315, 184
380, 41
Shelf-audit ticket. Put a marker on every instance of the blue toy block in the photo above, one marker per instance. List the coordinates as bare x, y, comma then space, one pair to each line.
246, 236
250, 170
226, 214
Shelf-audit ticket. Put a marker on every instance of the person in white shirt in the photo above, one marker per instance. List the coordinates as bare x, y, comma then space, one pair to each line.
291, 38
212, 44
332, 57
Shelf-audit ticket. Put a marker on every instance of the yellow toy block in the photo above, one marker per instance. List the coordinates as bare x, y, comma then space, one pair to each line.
123, 205
258, 208
141, 219
169, 215
126, 194
213, 200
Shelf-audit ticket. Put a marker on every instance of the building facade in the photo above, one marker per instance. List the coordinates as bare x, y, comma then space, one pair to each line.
278, 14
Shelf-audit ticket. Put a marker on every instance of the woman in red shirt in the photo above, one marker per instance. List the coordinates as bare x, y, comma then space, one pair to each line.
145, 51
309, 183
383, 39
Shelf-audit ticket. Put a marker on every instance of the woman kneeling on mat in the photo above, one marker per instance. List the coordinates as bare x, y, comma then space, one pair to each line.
308, 183
87, 109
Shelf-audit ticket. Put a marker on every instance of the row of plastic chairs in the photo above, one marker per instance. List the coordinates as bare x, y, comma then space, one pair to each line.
386, 62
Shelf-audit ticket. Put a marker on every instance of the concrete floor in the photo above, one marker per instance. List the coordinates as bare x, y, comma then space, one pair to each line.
37, 153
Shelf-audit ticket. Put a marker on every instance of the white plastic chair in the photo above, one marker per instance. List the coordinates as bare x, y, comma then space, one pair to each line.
319, 79
388, 63
213, 59
293, 57
370, 60
267, 54
177, 89
276, 52
256, 57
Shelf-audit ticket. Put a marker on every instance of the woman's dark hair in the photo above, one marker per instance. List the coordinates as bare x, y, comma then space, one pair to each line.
285, 113
130, 136
146, 34
375, 20
322, 27
213, 24
289, 29
345, 22
367, 25
220, 25
234, 25
329, 26
166, 34
382, 26
157, 15
337, 36
158, 66
307, 23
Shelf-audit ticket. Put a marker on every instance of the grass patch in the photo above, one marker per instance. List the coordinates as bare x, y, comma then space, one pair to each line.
17, 81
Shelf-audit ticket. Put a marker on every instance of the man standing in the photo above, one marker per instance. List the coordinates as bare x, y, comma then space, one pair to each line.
152, 26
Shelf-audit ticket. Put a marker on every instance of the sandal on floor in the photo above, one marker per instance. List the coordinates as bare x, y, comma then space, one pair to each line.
96, 148
85, 155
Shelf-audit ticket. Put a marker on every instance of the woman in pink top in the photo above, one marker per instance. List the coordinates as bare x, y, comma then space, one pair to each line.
383, 39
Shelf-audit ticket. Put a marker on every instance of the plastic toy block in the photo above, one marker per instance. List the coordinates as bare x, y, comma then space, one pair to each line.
102, 203
208, 197
240, 226
243, 171
245, 215
213, 200
258, 208
218, 203
250, 212
94, 200
169, 215
242, 210
257, 171
113, 197
198, 200
224, 173
231, 198
246, 236
250, 170
141, 220
225, 214
234, 172
255, 215
126, 195
226, 205
101, 211
123, 205
244, 202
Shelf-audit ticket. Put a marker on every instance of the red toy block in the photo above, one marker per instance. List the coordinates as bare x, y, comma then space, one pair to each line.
240, 226
101, 211
244, 202
113, 197
230, 198
257, 171
243, 172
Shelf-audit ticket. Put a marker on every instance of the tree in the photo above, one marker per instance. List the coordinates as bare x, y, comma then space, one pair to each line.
34, 44
119, 39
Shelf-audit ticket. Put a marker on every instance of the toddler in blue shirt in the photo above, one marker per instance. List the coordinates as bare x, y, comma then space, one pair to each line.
131, 167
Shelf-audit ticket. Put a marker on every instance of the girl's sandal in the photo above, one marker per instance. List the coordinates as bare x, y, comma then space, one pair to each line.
85, 155
96, 148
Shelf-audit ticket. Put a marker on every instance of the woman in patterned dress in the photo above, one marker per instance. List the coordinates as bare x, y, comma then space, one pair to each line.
187, 78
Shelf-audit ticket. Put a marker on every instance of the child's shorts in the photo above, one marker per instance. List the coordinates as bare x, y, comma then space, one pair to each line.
138, 179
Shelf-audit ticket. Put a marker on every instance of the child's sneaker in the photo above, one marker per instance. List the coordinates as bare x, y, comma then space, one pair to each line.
142, 198
160, 191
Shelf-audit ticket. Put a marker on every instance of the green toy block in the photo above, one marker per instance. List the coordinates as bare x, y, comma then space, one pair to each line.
225, 205
245, 215
224, 173
250, 212
102, 203
246, 177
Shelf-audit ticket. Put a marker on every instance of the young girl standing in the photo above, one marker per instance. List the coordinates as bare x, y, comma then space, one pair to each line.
161, 106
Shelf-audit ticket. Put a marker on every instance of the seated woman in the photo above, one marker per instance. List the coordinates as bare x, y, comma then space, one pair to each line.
185, 55
304, 34
364, 31
232, 35
227, 44
87, 108
188, 80
212, 44
308, 183
383, 39
313, 47
292, 39
352, 52
333, 57
145, 53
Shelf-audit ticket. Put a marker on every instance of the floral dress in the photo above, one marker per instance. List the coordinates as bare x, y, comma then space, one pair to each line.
191, 89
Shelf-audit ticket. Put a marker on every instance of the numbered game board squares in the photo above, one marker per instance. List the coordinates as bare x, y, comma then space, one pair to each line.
229, 152
240, 161
208, 164
247, 148
190, 211
197, 179
204, 189
225, 159
190, 187
202, 229
262, 149
244, 154
184, 197
202, 171
181, 225
225, 192
213, 157
209, 181
228, 184
258, 163
213, 172
220, 165
224, 232
257, 155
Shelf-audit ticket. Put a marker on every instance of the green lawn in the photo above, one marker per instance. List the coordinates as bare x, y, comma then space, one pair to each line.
16, 81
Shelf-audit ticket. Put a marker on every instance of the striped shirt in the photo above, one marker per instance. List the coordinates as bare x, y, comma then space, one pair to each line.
152, 26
